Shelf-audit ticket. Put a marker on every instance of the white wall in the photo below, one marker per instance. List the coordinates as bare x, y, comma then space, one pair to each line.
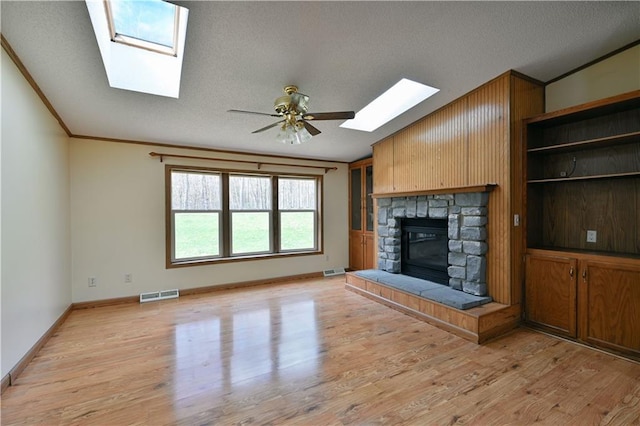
118, 223
613, 76
35, 286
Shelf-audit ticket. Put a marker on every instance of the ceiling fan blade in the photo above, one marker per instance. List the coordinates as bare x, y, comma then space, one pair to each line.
312, 130
268, 127
342, 115
253, 112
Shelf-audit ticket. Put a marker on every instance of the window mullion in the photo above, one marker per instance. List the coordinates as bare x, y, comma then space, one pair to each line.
226, 217
275, 208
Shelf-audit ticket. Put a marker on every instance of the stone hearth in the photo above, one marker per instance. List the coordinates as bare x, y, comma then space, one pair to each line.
466, 214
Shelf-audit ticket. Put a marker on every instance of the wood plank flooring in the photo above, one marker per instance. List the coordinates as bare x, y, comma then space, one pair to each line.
311, 353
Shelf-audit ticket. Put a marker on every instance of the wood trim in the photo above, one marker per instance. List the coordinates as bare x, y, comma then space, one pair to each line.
106, 302
620, 259
244, 284
31, 353
461, 189
458, 331
362, 162
25, 73
6, 381
595, 61
478, 324
199, 290
634, 94
200, 148
226, 220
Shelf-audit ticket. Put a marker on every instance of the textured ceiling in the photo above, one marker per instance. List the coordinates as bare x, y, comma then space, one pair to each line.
239, 55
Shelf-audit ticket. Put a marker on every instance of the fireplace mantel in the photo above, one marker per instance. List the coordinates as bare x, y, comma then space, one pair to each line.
456, 190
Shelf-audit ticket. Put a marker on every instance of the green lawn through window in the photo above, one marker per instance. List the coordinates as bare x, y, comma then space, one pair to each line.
196, 234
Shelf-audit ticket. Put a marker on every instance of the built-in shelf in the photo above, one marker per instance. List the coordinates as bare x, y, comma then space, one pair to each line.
590, 143
566, 179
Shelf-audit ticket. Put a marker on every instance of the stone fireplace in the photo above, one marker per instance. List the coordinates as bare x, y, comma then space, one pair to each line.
466, 217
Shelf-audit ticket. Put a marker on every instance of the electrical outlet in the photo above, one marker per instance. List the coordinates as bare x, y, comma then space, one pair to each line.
592, 236
93, 281
128, 278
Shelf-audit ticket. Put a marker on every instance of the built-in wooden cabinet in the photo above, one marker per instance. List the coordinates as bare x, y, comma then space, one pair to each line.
593, 298
361, 235
582, 275
551, 292
610, 290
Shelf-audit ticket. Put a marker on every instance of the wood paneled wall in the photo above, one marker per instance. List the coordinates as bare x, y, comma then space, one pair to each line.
437, 138
474, 140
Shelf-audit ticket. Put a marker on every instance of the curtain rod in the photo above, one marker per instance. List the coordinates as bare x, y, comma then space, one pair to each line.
257, 163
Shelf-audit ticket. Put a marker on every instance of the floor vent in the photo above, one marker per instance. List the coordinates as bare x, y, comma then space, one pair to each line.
332, 272
159, 295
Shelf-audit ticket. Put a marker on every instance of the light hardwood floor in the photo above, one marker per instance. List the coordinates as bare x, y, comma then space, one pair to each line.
312, 353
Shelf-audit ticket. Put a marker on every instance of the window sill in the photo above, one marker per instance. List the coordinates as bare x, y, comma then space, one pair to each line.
253, 257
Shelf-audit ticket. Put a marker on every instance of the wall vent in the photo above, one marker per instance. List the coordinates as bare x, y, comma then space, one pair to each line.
159, 295
332, 272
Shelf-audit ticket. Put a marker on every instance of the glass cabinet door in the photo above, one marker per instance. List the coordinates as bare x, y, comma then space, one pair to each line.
369, 199
356, 199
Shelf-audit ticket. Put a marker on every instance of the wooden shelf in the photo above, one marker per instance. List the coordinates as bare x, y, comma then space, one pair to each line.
575, 178
590, 143
568, 251
588, 110
461, 189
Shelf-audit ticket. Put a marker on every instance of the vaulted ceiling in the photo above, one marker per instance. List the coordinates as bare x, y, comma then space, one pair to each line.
239, 55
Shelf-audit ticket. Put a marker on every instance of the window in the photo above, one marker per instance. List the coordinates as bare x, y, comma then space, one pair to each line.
148, 24
250, 209
215, 215
297, 208
196, 212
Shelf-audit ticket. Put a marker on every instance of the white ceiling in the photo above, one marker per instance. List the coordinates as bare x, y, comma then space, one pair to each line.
239, 55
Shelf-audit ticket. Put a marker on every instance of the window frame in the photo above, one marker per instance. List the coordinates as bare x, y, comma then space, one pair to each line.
225, 218
128, 40
279, 212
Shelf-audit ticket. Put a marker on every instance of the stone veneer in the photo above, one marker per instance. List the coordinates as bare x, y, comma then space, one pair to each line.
467, 219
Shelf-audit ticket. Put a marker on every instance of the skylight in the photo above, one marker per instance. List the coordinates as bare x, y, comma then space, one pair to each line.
141, 43
149, 24
401, 97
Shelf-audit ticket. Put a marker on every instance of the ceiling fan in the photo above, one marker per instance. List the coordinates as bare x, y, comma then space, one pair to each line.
292, 109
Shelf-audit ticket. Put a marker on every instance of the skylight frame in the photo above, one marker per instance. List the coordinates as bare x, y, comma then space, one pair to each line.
388, 106
141, 43
132, 68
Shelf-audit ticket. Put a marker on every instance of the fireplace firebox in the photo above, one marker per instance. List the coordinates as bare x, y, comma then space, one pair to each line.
424, 249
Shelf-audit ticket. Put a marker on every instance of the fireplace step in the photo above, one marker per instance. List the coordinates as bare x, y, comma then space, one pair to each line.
425, 289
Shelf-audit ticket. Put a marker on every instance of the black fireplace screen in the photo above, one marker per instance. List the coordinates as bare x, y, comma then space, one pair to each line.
424, 251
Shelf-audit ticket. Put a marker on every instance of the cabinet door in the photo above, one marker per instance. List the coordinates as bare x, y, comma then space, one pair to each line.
369, 261
356, 251
550, 292
610, 305
368, 201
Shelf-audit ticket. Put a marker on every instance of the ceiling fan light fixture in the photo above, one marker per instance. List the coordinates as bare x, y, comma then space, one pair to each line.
293, 134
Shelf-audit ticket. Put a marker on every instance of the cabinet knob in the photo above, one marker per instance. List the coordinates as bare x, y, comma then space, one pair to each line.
571, 272
584, 275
